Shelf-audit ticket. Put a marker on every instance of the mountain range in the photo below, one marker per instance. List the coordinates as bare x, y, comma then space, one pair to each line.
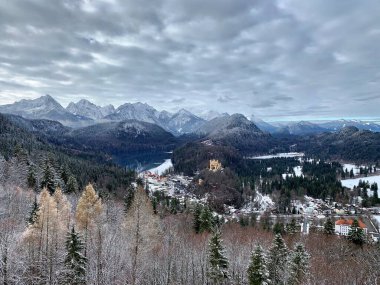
85, 113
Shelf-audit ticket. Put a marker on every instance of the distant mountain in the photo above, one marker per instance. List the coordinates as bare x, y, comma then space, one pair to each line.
87, 109
44, 107
41, 127
135, 111
209, 115
123, 137
350, 144
300, 128
183, 122
264, 126
237, 131
340, 124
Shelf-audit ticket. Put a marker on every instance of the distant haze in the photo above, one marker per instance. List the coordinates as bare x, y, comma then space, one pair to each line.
279, 60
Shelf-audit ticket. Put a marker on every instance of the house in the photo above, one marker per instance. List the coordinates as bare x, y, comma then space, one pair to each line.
343, 226
215, 165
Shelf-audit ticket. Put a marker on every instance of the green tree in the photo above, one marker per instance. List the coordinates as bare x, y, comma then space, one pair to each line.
34, 212
206, 220
48, 180
72, 185
329, 227
291, 228
277, 260
278, 228
356, 233
75, 262
298, 265
218, 263
32, 177
197, 218
257, 270
128, 198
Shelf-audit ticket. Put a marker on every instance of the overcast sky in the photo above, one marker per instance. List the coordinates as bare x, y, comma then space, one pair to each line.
284, 59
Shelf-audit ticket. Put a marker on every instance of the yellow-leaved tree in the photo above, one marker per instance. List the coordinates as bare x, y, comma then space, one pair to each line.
45, 234
88, 211
143, 229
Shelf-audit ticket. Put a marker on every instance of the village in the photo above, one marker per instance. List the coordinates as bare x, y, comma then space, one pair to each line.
310, 213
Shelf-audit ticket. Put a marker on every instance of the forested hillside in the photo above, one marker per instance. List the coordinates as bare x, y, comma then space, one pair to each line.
29, 159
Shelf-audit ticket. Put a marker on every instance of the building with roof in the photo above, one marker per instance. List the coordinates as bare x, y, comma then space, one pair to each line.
215, 165
343, 226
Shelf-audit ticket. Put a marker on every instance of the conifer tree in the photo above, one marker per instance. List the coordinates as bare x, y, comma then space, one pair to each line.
257, 270
72, 185
206, 220
218, 263
32, 177
128, 198
329, 227
356, 233
65, 173
291, 228
298, 266
34, 212
48, 180
277, 260
197, 218
75, 262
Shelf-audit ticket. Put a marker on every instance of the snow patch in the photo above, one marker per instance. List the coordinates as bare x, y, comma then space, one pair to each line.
159, 170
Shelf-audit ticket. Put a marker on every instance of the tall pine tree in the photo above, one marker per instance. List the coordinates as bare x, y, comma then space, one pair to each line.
356, 233
75, 262
329, 227
48, 179
257, 270
218, 263
197, 218
298, 266
34, 212
277, 260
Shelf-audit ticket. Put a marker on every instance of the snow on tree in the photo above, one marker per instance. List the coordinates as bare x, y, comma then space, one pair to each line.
72, 185
218, 263
43, 238
257, 270
298, 265
206, 220
356, 233
33, 215
142, 226
197, 220
63, 207
88, 210
329, 227
32, 177
75, 262
48, 179
277, 260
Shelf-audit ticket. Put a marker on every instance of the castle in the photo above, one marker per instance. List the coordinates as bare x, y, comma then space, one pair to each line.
215, 165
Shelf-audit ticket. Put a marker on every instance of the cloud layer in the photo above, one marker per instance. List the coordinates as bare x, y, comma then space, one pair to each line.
282, 59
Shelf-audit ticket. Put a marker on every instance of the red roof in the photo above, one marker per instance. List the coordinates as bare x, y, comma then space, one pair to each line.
348, 222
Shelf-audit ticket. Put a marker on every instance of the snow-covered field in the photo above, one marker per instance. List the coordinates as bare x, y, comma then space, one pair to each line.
348, 167
350, 183
159, 170
279, 155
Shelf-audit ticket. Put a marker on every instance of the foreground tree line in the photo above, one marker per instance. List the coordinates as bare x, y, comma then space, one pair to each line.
69, 239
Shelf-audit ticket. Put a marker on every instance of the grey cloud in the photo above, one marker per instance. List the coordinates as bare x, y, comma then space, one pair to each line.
193, 54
